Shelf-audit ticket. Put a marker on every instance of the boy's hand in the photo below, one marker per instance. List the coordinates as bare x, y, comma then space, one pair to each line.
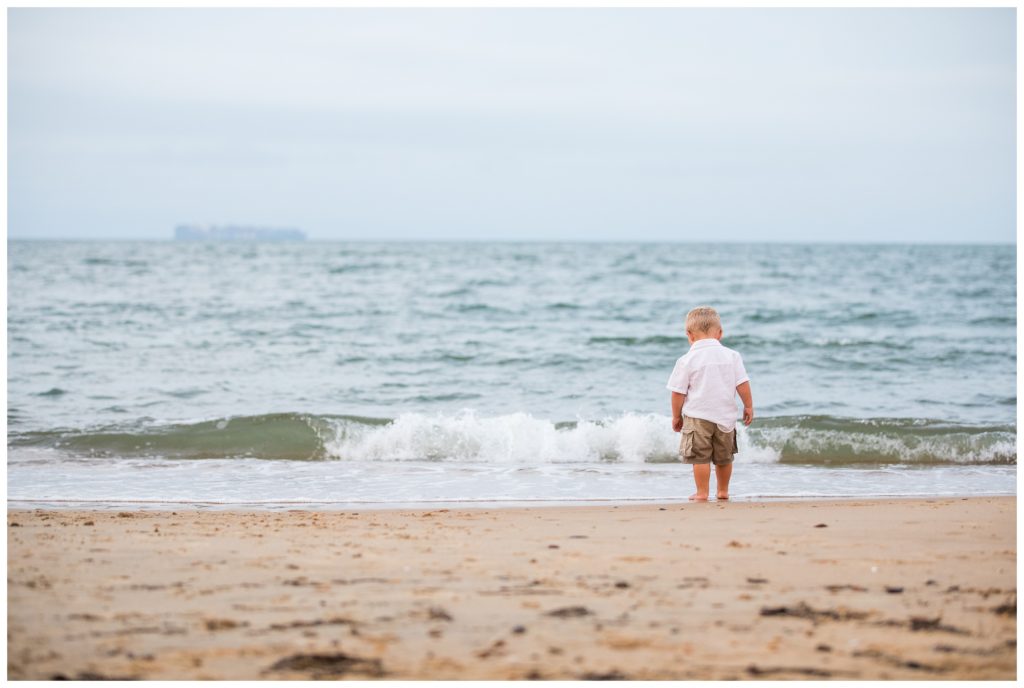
677, 424
748, 414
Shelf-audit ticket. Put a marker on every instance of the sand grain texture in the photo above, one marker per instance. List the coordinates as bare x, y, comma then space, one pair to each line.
915, 589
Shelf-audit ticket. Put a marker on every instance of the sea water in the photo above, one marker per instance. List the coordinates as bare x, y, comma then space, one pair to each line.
334, 374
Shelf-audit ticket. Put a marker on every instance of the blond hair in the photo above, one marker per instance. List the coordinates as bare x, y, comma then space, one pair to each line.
703, 320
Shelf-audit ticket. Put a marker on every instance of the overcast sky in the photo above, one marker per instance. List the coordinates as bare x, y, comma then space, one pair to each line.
592, 124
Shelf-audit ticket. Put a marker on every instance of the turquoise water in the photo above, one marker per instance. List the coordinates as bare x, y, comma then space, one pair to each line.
384, 373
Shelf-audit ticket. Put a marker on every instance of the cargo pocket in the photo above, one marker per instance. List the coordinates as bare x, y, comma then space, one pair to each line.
686, 444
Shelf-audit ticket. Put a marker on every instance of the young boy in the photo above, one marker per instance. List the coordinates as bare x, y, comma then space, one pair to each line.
706, 380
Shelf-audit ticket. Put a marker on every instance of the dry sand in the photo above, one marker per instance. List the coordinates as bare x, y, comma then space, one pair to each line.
919, 589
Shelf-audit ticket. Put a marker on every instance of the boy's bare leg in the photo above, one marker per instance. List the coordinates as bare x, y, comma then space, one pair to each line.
702, 478
722, 475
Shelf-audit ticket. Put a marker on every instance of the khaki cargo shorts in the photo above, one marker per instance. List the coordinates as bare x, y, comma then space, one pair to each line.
703, 442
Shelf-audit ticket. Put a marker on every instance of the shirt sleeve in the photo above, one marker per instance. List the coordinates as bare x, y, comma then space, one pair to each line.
740, 371
679, 380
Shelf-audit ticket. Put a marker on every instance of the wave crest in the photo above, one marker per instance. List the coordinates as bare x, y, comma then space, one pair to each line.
521, 439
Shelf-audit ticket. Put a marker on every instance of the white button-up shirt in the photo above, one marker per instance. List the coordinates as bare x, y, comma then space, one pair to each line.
708, 375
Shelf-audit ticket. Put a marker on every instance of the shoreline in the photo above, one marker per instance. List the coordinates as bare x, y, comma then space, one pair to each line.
155, 505
894, 588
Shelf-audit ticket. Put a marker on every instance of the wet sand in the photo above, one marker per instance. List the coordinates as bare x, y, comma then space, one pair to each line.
864, 589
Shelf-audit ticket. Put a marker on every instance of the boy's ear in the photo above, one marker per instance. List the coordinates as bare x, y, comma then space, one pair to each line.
720, 333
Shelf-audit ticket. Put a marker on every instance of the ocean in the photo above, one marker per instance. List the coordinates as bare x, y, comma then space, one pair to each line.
343, 374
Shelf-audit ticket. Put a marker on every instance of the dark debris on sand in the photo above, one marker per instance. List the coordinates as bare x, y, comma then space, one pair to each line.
569, 612
1007, 608
755, 670
613, 675
329, 665
804, 611
90, 676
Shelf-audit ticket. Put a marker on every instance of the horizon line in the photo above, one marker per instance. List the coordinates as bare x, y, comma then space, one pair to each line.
903, 242
98, 240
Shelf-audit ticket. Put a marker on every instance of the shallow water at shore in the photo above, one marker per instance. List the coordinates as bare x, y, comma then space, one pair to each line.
336, 485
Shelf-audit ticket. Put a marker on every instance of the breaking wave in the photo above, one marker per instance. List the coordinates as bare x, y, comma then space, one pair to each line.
521, 439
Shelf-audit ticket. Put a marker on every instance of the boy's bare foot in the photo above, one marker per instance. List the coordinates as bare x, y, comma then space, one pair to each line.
698, 497
722, 497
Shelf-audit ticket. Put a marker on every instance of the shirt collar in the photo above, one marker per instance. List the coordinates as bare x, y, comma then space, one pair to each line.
701, 343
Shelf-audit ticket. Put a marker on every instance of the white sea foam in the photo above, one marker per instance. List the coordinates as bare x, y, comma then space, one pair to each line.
632, 438
517, 438
520, 438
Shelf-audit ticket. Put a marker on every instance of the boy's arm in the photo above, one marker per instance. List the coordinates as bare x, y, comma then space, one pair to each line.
679, 385
743, 389
677, 410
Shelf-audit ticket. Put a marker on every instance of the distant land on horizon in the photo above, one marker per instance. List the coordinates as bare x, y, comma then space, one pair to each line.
236, 233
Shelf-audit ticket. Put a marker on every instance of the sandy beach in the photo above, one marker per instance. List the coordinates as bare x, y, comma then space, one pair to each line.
864, 589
